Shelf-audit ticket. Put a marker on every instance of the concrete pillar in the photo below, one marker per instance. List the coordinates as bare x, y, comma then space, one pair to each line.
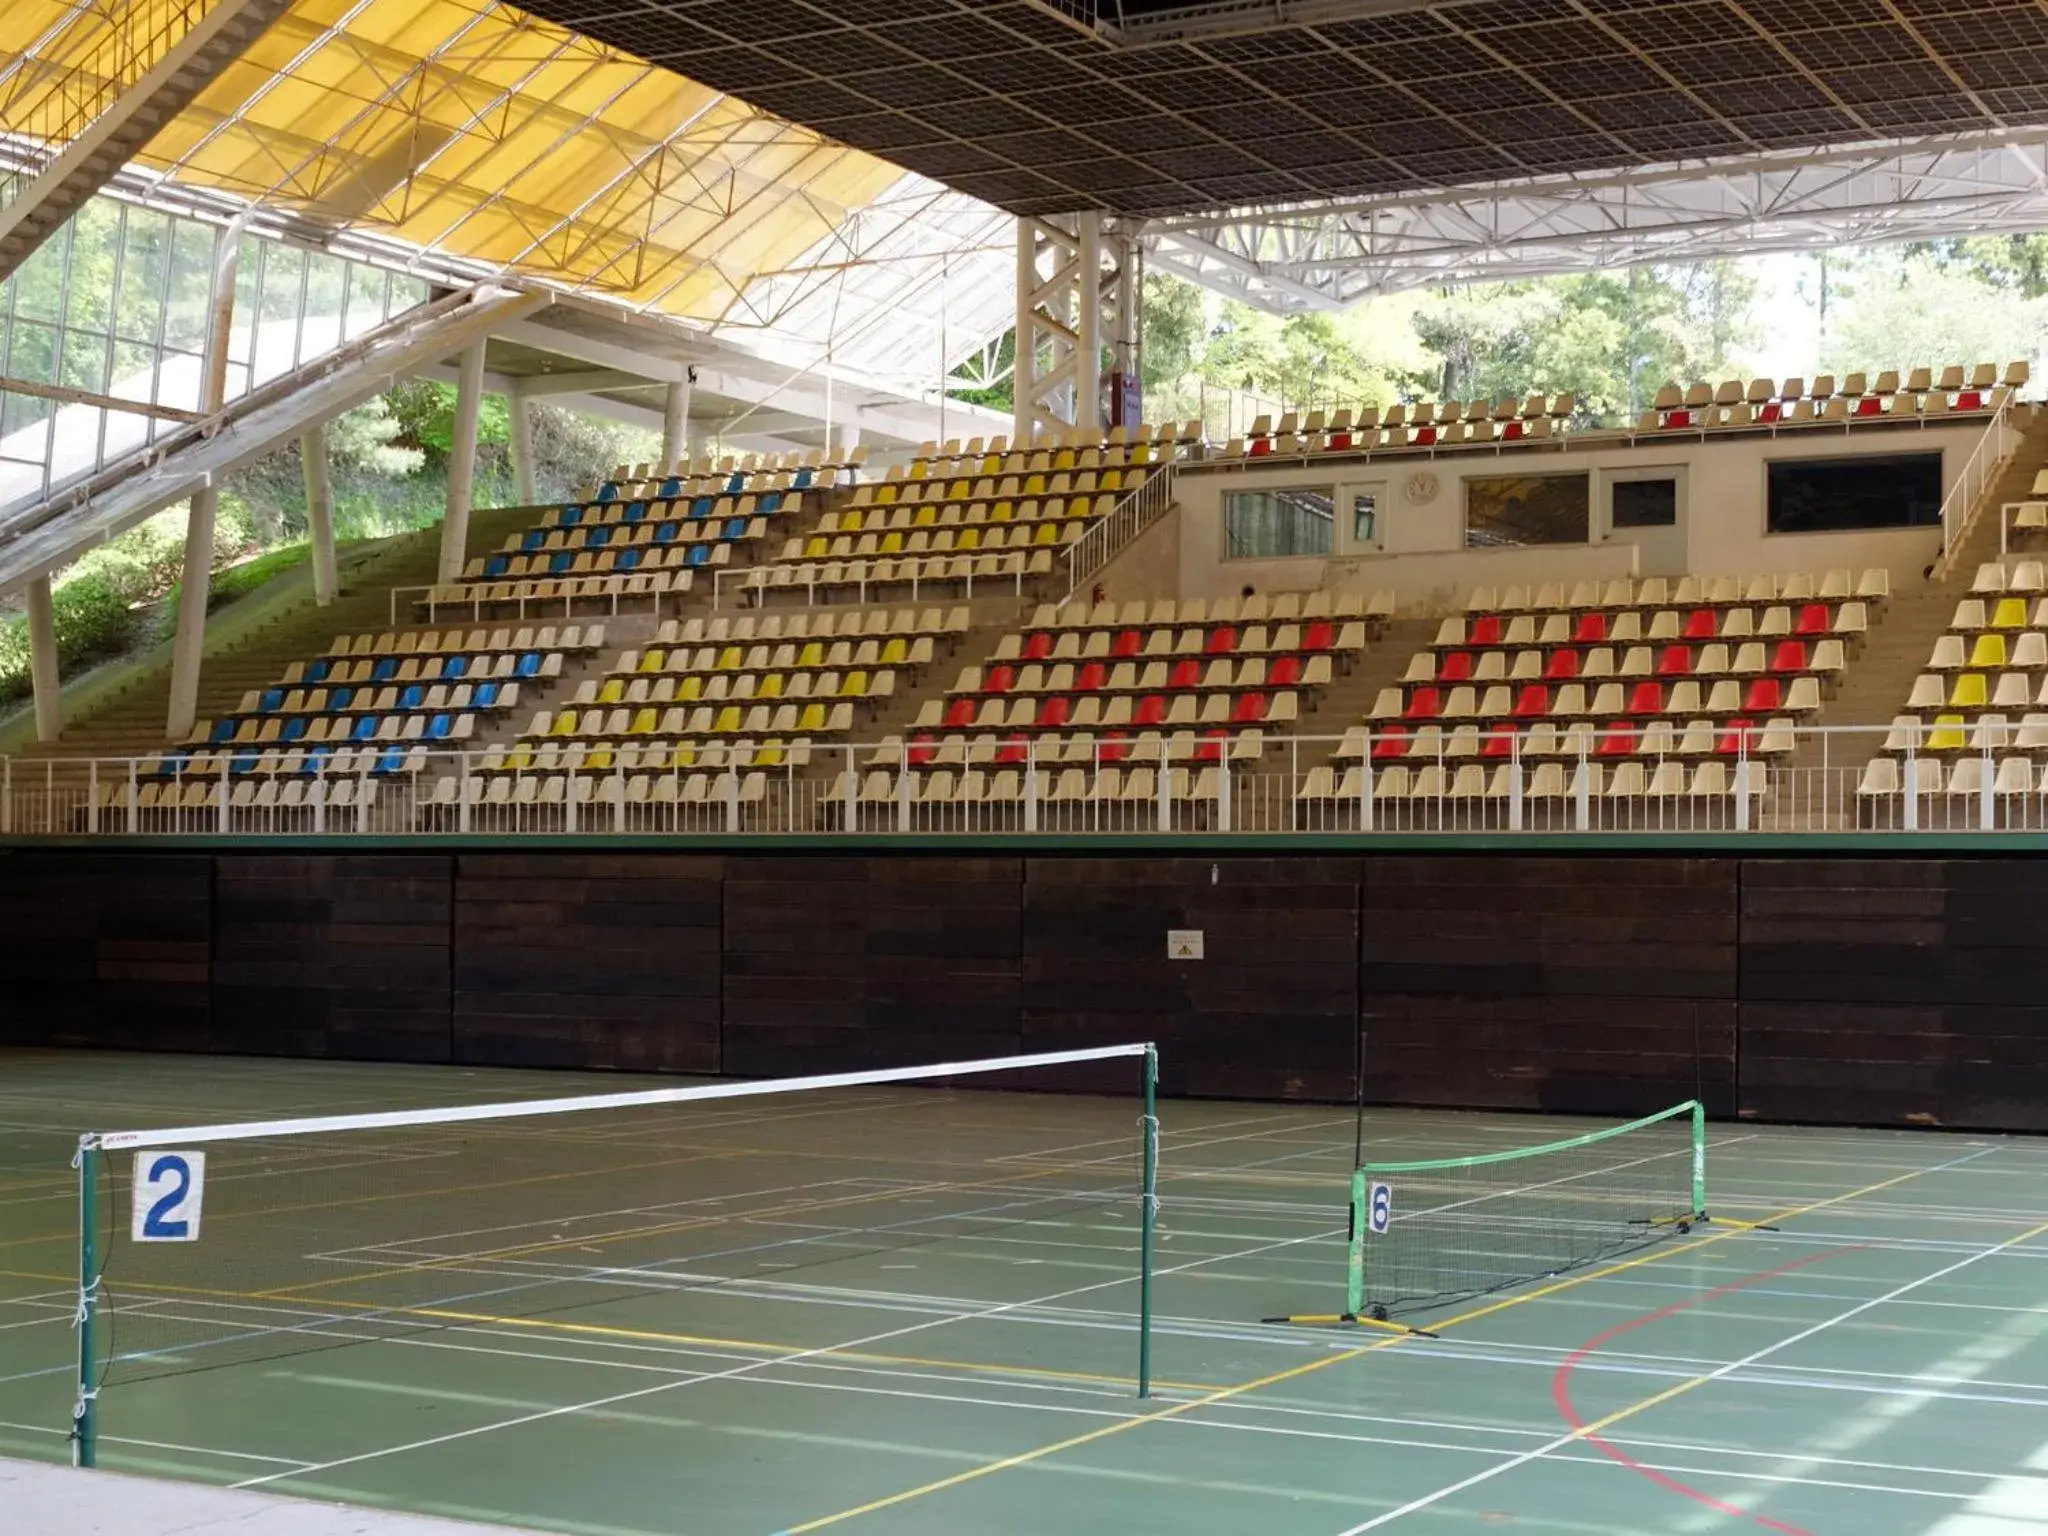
319, 512
1024, 373
469, 395
675, 423
42, 657
520, 410
1088, 322
188, 645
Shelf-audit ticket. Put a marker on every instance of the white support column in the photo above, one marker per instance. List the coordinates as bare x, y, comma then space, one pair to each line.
42, 657
188, 645
1024, 371
520, 411
845, 438
1088, 320
319, 512
675, 423
469, 395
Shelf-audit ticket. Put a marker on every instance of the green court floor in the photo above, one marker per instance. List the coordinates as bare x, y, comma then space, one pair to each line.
913, 1310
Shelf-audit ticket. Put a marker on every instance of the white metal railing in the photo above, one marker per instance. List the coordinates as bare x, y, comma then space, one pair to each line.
1989, 778
1115, 533
1964, 503
815, 584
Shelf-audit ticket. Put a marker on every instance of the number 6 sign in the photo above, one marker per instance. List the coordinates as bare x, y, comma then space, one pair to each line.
1379, 1213
169, 1187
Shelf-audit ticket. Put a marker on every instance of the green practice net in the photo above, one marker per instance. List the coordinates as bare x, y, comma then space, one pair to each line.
1427, 1235
207, 1248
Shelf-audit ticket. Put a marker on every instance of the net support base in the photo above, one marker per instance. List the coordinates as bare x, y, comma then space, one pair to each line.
1351, 1320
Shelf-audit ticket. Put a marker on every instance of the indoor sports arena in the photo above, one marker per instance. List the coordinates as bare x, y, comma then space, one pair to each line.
996, 766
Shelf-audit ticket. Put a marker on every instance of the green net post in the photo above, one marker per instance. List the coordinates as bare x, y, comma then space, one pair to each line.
1354, 1265
85, 1411
1699, 1158
1148, 1220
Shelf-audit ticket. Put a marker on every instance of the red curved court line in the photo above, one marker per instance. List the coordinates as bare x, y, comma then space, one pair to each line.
1561, 1389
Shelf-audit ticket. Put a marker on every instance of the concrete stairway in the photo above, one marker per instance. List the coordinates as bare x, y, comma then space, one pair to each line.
1348, 699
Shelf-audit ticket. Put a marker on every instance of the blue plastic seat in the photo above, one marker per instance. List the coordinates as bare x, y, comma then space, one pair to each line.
803, 480
497, 565
486, 695
223, 732
701, 507
635, 511
365, 729
597, 538
571, 516
671, 488
316, 672
454, 669
413, 697
771, 501
609, 491
529, 665
439, 727
700, 554
533, 539
735, 528
244, 762
316, 759
392, 761
665, 533
340, 699
272, 701
294, 729
627, 560
385, 669
560, 563
736, 484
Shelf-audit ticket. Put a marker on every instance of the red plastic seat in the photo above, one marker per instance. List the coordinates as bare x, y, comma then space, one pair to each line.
1533, 702
1789, 656
1734, 737
1813, 620
1562, 667
1261, 446
1127, 644
961, 712
1151, 710
1015, 749
1210, 748
1425, 437
1115, 747
923, 749
1001, 679
1389, 743
1054, 712
1037, 646
1765, 695
1592, 629
1646, 699
1700, 625
1454, 667
1675, 661
1770, 411
1319, 636
1424, 704
1499, 740
1619, 740
1093, 679
1970, 400
1870, 405
1285, 672
1484, 630
1187, 673
1222, 640
1337, 442
1249, 709
1678, 418
1512, 432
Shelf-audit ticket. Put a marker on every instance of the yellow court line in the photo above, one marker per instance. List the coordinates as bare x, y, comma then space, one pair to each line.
1025, 1458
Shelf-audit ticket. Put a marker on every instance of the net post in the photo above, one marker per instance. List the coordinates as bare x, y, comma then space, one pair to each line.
85, 1410
1148, 1220
1354, 1263
1699, 1158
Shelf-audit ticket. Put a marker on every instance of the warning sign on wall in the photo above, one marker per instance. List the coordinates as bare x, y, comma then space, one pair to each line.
1183, 943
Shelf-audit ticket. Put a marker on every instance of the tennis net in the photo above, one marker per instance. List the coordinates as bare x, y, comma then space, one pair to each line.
1429, 1234
205, 1248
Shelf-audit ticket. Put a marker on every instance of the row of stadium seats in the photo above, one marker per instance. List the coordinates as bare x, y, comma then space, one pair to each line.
434, 642
965, 503
784, 656
914, 572
1872, 585
1063, 711
1146, 642
1280, 607
818, 461
1424, 424
1163, 674
1914, 735
650, 527
442, 727
813, 624
479, 597
1731, 737
1798, 693
958, 750
1049, 530
1486, 635
646, 754
1888, 778
319, 760
955, 457
1551, 781
1854, 397
541, 790
679, 721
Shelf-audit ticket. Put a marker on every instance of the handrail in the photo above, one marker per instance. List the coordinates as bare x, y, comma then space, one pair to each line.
1964, 503
1113, 534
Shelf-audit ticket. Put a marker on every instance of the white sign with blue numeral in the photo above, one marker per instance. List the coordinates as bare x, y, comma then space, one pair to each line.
170, 1188
1379, 1210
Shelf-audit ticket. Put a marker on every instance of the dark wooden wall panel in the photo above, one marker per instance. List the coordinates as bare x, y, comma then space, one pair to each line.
106, 949
1269, 1012
331, 955
1896, 991
839, 964
1595, 985
599, 960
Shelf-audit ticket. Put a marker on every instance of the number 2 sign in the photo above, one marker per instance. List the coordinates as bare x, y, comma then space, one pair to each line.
169, 1188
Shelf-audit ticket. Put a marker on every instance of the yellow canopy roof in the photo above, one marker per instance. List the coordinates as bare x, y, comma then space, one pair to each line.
472, 131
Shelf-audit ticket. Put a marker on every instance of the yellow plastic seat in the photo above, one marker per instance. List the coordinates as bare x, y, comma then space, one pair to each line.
728, 720
1948, 734
644, 723
812, 655
564, 723
653, 661
817, 547
613, 691
1968, 691
2011, 613
597, 757
690, 689
812, 719
731, 659
770, 686
854, 686
896, 652
1988, 651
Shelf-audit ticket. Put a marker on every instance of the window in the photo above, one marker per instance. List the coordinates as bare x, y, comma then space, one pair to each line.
1508, 511
1645, 504
1270, 525
1365, 518
1893, 490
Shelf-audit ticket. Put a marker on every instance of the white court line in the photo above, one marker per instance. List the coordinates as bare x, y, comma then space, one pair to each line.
154, 1445
751, 1367
1719, 1373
